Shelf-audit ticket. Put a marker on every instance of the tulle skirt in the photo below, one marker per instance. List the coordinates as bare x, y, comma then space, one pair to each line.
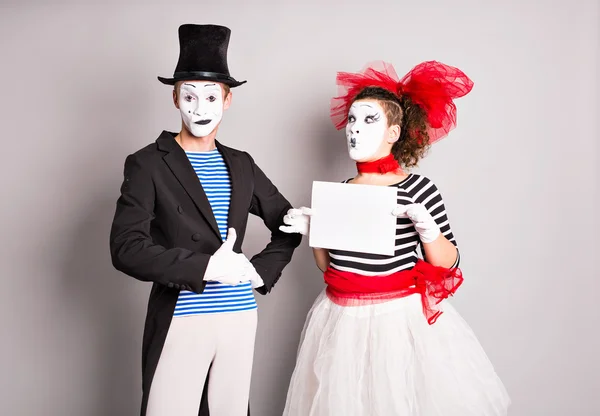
385, 360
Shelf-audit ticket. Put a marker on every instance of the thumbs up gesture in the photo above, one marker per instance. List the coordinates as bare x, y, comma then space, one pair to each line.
229, 267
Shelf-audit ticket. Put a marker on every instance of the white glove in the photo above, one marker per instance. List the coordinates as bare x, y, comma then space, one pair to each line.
297, 220
423, 221
255, 279
229, 267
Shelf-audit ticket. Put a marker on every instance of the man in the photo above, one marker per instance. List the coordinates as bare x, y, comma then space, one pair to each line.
180, 223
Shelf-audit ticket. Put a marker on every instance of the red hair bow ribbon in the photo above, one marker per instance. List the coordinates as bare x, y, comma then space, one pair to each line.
431, 85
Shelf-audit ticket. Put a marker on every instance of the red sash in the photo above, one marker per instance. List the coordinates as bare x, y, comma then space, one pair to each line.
434, 284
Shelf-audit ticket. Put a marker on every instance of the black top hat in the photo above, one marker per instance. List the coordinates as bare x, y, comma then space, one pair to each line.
202, 55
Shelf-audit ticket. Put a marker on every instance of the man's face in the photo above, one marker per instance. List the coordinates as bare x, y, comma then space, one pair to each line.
366, 130
201, 105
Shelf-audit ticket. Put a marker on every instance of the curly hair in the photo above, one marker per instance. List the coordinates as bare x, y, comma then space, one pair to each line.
412, 119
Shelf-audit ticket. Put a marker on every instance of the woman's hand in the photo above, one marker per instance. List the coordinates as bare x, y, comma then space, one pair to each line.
297, 220
423, 221
438, 250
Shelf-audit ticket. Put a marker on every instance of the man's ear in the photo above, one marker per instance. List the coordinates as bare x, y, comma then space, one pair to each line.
175, 100
227, 101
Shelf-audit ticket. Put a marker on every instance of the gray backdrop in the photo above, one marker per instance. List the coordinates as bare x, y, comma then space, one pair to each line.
519, 176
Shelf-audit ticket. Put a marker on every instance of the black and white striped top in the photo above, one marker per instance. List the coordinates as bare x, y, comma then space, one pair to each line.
414, 189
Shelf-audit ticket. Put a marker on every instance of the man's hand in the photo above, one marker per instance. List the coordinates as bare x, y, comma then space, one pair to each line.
255, 279
229, 267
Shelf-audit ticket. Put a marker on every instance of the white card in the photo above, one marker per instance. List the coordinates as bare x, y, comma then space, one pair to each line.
353, 217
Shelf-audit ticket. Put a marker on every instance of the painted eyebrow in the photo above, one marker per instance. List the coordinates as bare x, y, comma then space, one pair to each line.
209, 85
191, 85
370, 106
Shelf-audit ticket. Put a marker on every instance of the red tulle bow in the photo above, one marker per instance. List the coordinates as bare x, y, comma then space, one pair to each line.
434, 284
431, 85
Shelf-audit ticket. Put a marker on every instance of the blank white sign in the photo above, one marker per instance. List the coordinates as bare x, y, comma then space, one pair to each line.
353, 217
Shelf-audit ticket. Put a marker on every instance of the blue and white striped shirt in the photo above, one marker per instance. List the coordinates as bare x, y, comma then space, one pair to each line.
217, 297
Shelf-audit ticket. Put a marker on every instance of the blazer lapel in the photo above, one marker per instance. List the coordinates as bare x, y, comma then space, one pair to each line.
181, 167
236, 177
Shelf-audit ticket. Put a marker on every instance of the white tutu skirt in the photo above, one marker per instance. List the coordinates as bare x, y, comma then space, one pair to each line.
386, 360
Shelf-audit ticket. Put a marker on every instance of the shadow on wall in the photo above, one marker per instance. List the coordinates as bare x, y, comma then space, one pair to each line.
109, 307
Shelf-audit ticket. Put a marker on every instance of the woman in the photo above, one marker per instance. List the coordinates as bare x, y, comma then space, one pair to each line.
375, 341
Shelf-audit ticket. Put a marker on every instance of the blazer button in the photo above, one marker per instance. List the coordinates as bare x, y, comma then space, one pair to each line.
197, 237
179, 209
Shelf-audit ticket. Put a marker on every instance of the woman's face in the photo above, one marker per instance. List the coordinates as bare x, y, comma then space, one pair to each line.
367, 132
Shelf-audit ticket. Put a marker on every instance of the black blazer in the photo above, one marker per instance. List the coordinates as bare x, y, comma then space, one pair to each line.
164, 231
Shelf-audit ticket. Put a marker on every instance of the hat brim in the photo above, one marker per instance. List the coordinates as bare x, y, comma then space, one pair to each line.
232, 83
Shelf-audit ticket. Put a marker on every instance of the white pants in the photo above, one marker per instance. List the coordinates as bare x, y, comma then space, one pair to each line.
225, 340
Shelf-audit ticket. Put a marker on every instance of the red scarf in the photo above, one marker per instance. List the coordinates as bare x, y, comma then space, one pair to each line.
434, 284
384, 165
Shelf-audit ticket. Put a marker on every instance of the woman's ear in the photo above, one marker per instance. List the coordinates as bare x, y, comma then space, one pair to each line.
393, 133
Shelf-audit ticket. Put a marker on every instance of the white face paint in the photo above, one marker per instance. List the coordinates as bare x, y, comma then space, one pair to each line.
201, 106
366, 129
